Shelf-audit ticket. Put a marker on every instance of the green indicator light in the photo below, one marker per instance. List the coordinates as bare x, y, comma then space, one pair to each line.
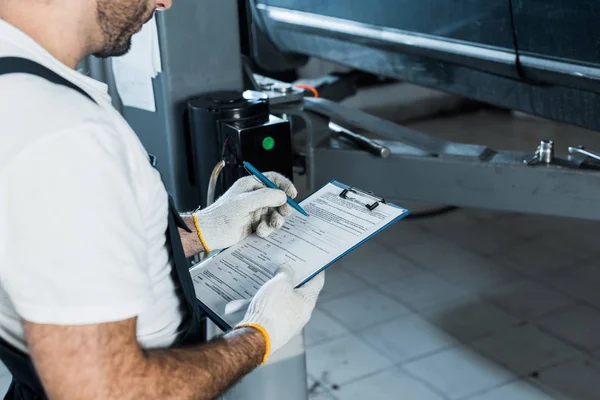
268, 143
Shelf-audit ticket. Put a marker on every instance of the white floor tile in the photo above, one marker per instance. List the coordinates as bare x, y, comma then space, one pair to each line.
446, 223
322, 328
580, 247
407, 338
5, 381
430, 253
311, 382
343, 360
527, 299
476, 274
526, 227
579, 325
379, 267
525, 349
401, 235
595, 355
363, 309
483, 239
339, 282
459, 372
581, 282
363, 255
539, 255
518, 390
578, 379
470, 319
316, 391
424, 290
449, 255
321, 396
389, 384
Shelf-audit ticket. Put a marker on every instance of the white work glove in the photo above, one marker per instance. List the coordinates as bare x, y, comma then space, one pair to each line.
279, 311
247, 207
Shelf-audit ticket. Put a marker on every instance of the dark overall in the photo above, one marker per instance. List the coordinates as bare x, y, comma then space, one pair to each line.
26, 384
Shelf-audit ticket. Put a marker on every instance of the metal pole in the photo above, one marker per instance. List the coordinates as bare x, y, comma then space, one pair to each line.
282, 377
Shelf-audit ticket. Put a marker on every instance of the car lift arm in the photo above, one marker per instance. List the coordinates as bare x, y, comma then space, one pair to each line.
428, 169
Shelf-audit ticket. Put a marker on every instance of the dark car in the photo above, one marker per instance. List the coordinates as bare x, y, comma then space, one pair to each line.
538, 56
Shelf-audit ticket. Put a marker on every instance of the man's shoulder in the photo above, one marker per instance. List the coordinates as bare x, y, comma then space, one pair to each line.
30, 99
33, 109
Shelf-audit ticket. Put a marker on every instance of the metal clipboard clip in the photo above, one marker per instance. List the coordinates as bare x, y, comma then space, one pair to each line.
370, 206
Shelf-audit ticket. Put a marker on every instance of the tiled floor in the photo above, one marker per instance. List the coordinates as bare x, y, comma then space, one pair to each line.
472, 305
435, 319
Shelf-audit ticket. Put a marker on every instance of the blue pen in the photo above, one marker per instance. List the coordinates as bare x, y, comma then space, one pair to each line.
250, 168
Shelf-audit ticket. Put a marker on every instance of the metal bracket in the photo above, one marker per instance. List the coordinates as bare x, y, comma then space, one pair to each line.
425, 144
543, 155
278, 92
370, 206
365, 143
588, 153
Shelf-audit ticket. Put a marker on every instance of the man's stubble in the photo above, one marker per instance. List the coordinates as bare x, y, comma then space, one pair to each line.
119, 20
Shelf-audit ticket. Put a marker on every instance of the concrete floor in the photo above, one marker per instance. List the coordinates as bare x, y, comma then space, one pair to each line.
475, 305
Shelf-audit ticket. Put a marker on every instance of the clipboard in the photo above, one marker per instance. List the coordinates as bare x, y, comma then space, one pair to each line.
368, 200
371, 204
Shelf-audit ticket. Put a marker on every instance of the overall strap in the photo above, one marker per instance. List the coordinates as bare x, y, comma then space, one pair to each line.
14, 65
194, 332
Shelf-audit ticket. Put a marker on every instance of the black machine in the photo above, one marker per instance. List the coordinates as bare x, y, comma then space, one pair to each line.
229, 128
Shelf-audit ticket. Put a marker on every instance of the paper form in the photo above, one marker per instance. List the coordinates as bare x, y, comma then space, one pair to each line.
135, 90
135, 70
308, 244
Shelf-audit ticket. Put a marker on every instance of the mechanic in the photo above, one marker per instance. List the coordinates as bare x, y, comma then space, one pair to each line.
92, 301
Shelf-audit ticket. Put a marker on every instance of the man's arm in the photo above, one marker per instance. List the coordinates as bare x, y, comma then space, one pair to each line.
190, 240
105, 362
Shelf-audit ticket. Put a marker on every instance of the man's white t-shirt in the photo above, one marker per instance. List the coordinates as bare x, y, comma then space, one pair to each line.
83, 214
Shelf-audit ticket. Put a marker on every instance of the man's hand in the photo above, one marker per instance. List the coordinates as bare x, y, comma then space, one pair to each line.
245, 208
279, 311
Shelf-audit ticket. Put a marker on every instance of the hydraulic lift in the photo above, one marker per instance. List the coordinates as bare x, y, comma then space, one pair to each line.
200, 48
428, 169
